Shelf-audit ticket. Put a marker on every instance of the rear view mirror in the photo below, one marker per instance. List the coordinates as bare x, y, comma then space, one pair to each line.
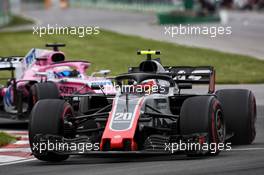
101, 72
104, 72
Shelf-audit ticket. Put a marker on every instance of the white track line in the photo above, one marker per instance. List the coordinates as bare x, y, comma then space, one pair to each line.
24, 136
19, 161
246, 149
6, 158
14, 131
15, 150
21, 142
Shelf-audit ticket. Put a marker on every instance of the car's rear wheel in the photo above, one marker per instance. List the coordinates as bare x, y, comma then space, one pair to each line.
40, 91
47, 118
203, 115
239, 106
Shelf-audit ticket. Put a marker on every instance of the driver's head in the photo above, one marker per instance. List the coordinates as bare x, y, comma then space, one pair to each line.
151, 66
148, 66
66, 71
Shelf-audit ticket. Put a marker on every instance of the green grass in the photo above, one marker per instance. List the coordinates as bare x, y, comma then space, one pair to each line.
18, 21
5, 139
117, 52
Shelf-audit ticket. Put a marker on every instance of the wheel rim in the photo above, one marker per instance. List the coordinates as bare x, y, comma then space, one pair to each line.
34, 99
67, 113
220, 127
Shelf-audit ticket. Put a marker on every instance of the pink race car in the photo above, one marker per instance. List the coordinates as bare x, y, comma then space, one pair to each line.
44, 74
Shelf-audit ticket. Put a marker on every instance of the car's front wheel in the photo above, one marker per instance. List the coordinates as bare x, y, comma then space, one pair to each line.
203, 115
47, 118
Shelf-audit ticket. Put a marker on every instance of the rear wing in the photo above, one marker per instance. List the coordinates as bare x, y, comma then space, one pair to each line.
10, 63
193, 75
189, 75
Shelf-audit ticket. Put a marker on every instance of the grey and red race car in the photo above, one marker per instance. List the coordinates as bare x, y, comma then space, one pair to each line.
150, 114
45, 74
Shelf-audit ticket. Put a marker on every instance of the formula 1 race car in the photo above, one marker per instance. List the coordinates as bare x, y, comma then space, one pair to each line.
44, 74
149, 115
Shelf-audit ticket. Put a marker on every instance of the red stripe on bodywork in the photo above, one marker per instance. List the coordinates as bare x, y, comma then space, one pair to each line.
117, 137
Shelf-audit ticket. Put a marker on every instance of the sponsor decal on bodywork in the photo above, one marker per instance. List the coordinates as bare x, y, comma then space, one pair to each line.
124, 113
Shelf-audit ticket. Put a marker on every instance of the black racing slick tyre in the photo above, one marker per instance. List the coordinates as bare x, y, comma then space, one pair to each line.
239, 107
203, 115
47, 118
40, 91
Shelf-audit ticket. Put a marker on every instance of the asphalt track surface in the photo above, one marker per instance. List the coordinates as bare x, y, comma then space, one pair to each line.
246, 159
247, 27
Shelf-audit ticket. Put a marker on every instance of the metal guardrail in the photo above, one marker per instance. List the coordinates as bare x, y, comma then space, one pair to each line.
4, 12
138, 5
26, 5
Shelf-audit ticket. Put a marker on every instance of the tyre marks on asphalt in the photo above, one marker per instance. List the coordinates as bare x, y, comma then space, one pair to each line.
17, 151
